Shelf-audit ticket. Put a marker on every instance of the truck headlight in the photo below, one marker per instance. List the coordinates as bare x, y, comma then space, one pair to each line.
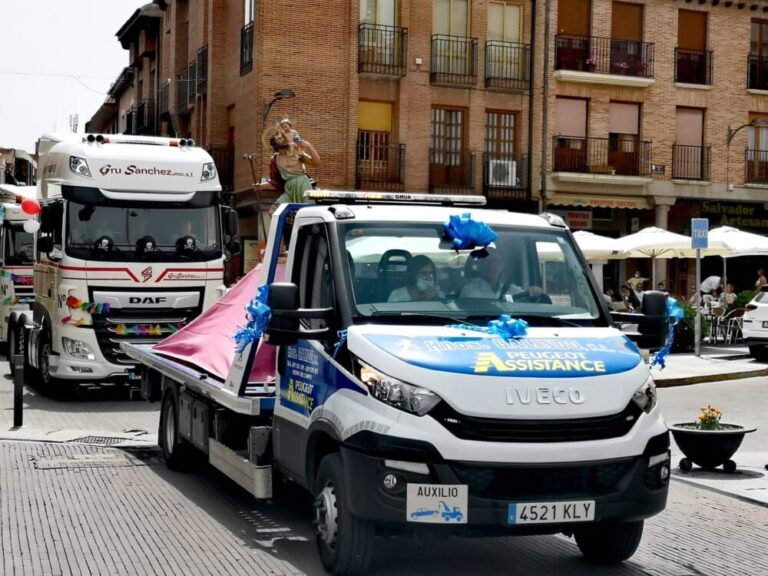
79, 166
209, 171
402, 396
645, 396
77, 349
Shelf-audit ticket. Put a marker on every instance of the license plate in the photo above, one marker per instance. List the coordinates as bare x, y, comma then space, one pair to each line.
551, 512
436, 503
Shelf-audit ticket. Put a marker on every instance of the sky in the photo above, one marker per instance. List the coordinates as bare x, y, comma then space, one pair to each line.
57, 58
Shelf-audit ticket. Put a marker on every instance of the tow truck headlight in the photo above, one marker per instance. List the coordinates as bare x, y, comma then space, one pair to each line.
645, 396
209, 171
402, 396
79, 166
77, 349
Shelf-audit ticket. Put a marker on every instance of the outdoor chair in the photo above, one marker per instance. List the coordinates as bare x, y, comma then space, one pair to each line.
717, 327
734, 323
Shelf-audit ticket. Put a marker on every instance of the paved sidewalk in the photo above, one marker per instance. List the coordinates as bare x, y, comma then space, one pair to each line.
715, 363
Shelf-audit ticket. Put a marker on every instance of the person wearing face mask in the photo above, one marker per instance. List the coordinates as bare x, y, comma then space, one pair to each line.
421, 282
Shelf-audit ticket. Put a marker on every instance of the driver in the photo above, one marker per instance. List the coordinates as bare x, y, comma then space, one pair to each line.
485, 268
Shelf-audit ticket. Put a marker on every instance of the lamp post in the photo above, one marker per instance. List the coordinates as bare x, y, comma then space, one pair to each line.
281, 94
731, 133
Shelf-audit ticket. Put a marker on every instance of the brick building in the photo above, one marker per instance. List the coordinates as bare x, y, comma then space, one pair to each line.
632, 121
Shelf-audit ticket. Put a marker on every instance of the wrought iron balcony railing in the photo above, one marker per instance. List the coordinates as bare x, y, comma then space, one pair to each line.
693, 66
603, 55
192, 83
380, 167
757, 73
144, 119
756, 166
611, 156
130, 121
382, 50
202, 70
182, 91
690, 162
454, 60
507, 65
224, 158
163, 95
451, 171
505, 177
246, 49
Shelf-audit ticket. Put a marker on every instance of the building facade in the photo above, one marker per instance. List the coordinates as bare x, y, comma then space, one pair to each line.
616, 114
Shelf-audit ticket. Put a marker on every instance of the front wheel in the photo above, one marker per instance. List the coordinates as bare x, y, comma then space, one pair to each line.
607, 543
176, 452
345, 543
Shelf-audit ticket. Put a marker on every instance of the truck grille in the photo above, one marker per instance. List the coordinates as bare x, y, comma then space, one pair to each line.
543, 482
561, 430
138, 326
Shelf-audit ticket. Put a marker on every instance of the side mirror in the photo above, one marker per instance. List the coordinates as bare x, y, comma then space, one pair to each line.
45, 244
652, 324
45, 220
231, 223
233, 247
284, 327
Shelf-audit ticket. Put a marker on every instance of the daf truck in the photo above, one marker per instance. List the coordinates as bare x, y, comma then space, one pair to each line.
132, 246
415, 413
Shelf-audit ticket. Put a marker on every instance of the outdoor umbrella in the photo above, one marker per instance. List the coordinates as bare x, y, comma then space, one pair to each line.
741, 243
596, 247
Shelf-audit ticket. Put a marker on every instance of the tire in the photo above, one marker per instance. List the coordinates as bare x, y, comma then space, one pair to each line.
55, 387
608, 543
345, 543
685, 465
176, 452
759, 353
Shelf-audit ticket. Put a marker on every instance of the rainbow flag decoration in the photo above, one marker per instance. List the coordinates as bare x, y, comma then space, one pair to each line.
147, 329
16, 279
74, 303
13, 300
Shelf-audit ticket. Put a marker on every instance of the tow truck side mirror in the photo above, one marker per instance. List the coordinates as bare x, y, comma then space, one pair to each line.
231, 223
284, 327
652, 324
45, 244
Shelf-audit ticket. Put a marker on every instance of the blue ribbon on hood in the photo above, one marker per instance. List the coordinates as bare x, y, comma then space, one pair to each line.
504, 326
675, 314
257, 315
468, 233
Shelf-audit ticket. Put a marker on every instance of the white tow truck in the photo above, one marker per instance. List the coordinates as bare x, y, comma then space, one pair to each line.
131, 246
16, 247
397, 406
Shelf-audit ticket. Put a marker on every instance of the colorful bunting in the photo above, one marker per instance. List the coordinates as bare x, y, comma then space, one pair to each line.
16, 279
13, 300
148, 329
74, 303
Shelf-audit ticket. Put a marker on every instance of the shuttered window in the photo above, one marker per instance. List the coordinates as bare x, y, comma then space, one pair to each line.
627, 21
573, 17
692, 30
571, 117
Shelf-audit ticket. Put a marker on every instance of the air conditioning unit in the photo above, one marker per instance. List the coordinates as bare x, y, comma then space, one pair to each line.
502, 173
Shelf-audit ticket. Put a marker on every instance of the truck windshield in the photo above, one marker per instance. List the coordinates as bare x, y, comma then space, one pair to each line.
130, 233
18, 245
402, 269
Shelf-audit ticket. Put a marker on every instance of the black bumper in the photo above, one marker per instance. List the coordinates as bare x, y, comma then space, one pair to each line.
624, 489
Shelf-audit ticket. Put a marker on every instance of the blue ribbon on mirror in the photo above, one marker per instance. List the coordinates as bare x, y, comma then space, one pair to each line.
468, 233
342, 338
257, 318
675, 314
504, 326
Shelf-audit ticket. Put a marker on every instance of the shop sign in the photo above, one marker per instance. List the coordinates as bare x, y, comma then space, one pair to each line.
736, 214
579, 219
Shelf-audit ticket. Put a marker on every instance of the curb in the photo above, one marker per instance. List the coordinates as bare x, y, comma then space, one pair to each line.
715, 489
687, 380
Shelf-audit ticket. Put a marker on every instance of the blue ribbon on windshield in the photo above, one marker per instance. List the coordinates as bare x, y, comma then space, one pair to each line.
257, 315
504, 326
468, 233
675, 314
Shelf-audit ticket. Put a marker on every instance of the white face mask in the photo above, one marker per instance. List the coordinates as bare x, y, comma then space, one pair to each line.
424, 285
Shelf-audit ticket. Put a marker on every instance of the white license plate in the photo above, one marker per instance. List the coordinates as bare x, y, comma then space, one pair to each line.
551, 512
765, 324
437, 503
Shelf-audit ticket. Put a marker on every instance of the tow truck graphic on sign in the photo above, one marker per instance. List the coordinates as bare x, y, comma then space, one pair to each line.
436, 504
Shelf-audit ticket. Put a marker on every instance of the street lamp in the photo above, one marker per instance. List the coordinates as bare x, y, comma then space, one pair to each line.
731, 133
281, 94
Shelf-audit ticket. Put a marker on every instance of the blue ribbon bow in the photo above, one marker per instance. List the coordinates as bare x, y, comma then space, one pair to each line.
257, 315
675, 314
504, 326
468, 233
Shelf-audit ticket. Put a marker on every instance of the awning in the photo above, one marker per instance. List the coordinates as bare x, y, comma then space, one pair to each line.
626, 202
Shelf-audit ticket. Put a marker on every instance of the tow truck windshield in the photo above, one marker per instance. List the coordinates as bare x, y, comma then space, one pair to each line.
400, 269
18, 245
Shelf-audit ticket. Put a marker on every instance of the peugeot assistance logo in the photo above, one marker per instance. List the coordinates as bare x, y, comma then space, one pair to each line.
146, 273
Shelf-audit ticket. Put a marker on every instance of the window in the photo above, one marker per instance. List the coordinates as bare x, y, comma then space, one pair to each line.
573, 17
447, 162
504, 22
18, 245
313, 274
382, 12
500, 133
450, 17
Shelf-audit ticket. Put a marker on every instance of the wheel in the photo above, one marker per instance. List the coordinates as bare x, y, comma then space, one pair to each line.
759, 353
176, 451
685, 465
729, 467
47, 382
345, 543
608, 543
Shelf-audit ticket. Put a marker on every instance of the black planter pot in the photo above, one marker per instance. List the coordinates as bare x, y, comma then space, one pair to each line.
708, 448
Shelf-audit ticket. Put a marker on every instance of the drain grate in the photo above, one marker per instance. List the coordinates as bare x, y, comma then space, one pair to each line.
100, 440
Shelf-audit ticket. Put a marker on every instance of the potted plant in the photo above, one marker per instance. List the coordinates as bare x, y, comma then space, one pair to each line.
685, 330
591, 64
708, 442
622, 67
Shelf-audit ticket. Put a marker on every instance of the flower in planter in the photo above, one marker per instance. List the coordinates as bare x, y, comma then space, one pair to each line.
709, 419
591, 62
622, 66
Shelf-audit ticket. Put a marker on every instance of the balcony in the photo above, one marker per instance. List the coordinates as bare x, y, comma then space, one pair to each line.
130, 121
163, 97
454, 61
382, 50
182, 90
757, 73
246, 49
693, 66
505, 177
451, 172
380, 167
506, 65
756, 167
224, 158
192, 83
144, 119
605, 156
202, 70
690, 162
607, 61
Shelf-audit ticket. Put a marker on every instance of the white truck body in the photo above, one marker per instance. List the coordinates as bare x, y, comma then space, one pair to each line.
409, 414
131, 247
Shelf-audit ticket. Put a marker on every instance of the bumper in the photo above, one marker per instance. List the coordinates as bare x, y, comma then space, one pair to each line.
624, 489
